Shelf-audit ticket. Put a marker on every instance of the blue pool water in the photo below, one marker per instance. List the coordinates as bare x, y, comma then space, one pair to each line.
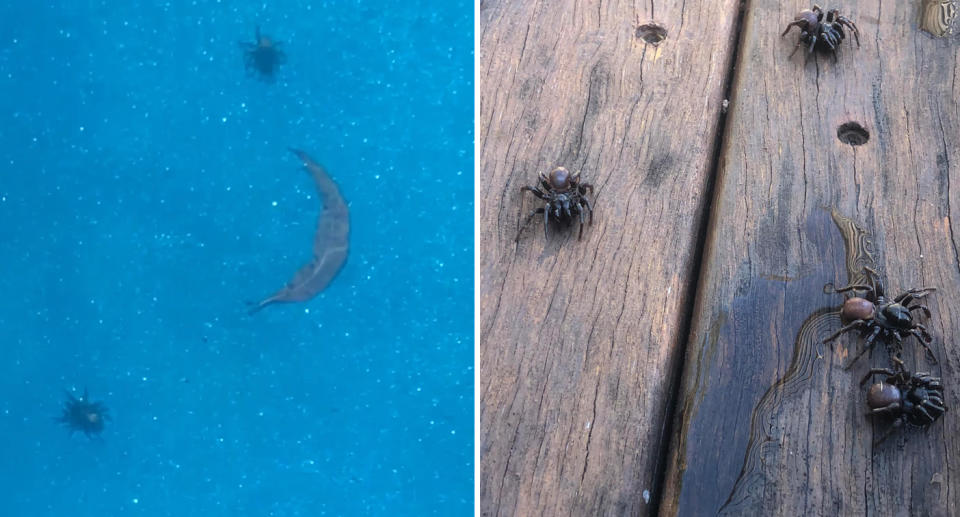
146, 194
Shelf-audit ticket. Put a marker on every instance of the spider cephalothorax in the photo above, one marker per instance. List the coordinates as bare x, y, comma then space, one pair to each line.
916, 399
877, 317
821, 32
566, 199
263, 56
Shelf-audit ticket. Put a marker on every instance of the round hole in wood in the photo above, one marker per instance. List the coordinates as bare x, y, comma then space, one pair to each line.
652, 33
852, 133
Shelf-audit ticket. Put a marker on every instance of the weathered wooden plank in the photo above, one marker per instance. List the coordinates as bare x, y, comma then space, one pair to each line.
579, 341
795, 439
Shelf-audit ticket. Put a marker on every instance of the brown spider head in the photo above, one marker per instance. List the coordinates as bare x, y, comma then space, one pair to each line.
856, 308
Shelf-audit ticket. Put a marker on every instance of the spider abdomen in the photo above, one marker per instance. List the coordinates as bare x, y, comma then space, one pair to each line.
882, 394
857, 309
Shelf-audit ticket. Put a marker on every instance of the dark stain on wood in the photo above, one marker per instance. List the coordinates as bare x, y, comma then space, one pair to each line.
661, 166
762, 445
330, 242
807, 351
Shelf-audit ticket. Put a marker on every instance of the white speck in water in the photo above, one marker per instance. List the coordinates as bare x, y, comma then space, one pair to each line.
646, 496
136, 500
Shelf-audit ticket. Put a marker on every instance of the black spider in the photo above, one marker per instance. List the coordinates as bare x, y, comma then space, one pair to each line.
823, 34
565, 197
879, 317
263, 56
916, 399
79, 414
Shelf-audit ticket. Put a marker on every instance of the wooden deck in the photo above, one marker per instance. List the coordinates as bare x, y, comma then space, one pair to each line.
669, 362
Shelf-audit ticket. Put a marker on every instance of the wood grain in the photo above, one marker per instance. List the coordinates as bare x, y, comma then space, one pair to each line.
767, 424
580, 342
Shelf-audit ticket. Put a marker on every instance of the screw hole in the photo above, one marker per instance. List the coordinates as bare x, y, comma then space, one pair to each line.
652, 33
852, 133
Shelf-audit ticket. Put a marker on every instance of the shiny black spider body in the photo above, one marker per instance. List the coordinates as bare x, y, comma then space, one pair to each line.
916, 399
263, 56
566, 199
79, 414
821, 32
878, 317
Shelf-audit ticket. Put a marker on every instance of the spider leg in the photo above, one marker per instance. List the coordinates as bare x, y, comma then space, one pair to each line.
813, 42
874, 277
926, 413
924, 338
913, 294
853, 325
885, 410
934, 402
831, 37
873, 335
535, 191
924, 308
526, 222
867, 346
580, 236
854, 287
853, 27
546, 220
895, 349
886, 371
839, 30
795, 23
586, 203
924, 335
928, 380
